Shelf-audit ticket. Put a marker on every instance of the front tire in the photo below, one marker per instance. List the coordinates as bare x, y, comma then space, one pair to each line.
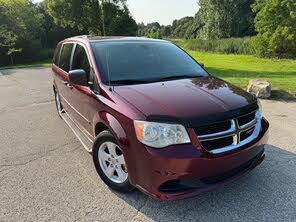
110, 163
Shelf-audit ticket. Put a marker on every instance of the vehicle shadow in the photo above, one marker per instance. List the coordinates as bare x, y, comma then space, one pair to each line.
266, 194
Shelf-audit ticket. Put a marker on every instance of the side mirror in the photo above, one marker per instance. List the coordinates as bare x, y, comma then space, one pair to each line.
201, 64
78, 77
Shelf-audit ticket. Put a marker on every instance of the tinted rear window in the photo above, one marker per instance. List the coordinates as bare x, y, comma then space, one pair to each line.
143, 60
64, 63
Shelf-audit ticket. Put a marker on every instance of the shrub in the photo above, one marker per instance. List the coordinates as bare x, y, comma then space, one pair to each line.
225, 46
154, 34
280, 44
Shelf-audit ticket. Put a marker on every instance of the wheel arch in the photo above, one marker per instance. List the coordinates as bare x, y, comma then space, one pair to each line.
100, 127
106, 121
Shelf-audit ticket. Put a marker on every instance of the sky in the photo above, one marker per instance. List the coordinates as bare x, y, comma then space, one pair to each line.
162, 11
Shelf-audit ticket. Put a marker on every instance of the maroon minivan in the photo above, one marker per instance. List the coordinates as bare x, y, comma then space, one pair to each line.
153, 118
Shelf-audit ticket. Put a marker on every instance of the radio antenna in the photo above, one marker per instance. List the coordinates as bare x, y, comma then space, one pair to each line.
108, 71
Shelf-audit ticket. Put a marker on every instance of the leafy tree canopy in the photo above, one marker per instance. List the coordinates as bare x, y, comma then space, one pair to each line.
96, 17
218, 19
181, 26
20, 27
275, 23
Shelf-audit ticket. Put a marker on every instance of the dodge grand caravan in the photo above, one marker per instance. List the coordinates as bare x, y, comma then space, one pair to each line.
153, 118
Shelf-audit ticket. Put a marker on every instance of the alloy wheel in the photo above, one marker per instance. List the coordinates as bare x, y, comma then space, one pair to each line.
112, 162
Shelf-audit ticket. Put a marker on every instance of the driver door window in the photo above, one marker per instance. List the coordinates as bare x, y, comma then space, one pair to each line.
80, 61
64, 62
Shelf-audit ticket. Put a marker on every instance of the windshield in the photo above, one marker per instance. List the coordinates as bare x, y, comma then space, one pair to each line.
141, 62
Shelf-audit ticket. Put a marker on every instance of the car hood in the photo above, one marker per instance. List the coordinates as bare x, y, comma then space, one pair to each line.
185, 98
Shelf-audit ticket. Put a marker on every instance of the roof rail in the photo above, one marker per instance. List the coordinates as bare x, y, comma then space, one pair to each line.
81, 36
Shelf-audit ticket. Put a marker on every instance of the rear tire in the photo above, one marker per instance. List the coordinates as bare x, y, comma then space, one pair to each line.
58, 103
110, 163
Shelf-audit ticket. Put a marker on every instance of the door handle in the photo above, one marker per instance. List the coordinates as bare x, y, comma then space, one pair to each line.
69, 86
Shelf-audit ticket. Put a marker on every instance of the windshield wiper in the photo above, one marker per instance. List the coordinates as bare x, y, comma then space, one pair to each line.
129, 82
179, 77
139, 81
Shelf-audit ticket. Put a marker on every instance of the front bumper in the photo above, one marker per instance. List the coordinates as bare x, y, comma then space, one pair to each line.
184, 171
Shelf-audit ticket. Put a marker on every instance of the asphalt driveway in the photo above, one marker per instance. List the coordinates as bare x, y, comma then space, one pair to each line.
46, 175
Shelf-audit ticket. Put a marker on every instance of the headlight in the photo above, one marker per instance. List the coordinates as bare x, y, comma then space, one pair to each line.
159, 135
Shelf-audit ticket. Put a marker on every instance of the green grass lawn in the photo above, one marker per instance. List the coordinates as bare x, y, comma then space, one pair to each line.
239, 69
46, 63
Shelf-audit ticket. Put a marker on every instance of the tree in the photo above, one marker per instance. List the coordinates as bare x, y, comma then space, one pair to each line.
181, 26
275, 23
218, 19
141, 29
30, 31
8, 41
123, 24
52, 32
153, 30
19, 30
155, 34
92, 16
166, 30
153, 25
118, 21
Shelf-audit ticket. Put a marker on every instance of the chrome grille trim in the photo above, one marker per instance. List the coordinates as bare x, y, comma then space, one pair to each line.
220, 134
253, 122
249, 125
235, 132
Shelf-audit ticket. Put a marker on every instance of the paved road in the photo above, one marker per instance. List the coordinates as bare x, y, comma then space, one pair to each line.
46, 175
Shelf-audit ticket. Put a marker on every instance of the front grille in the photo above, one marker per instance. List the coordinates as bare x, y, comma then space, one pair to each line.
213, 144
231, 134
246, 119
246, 134
213, 128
